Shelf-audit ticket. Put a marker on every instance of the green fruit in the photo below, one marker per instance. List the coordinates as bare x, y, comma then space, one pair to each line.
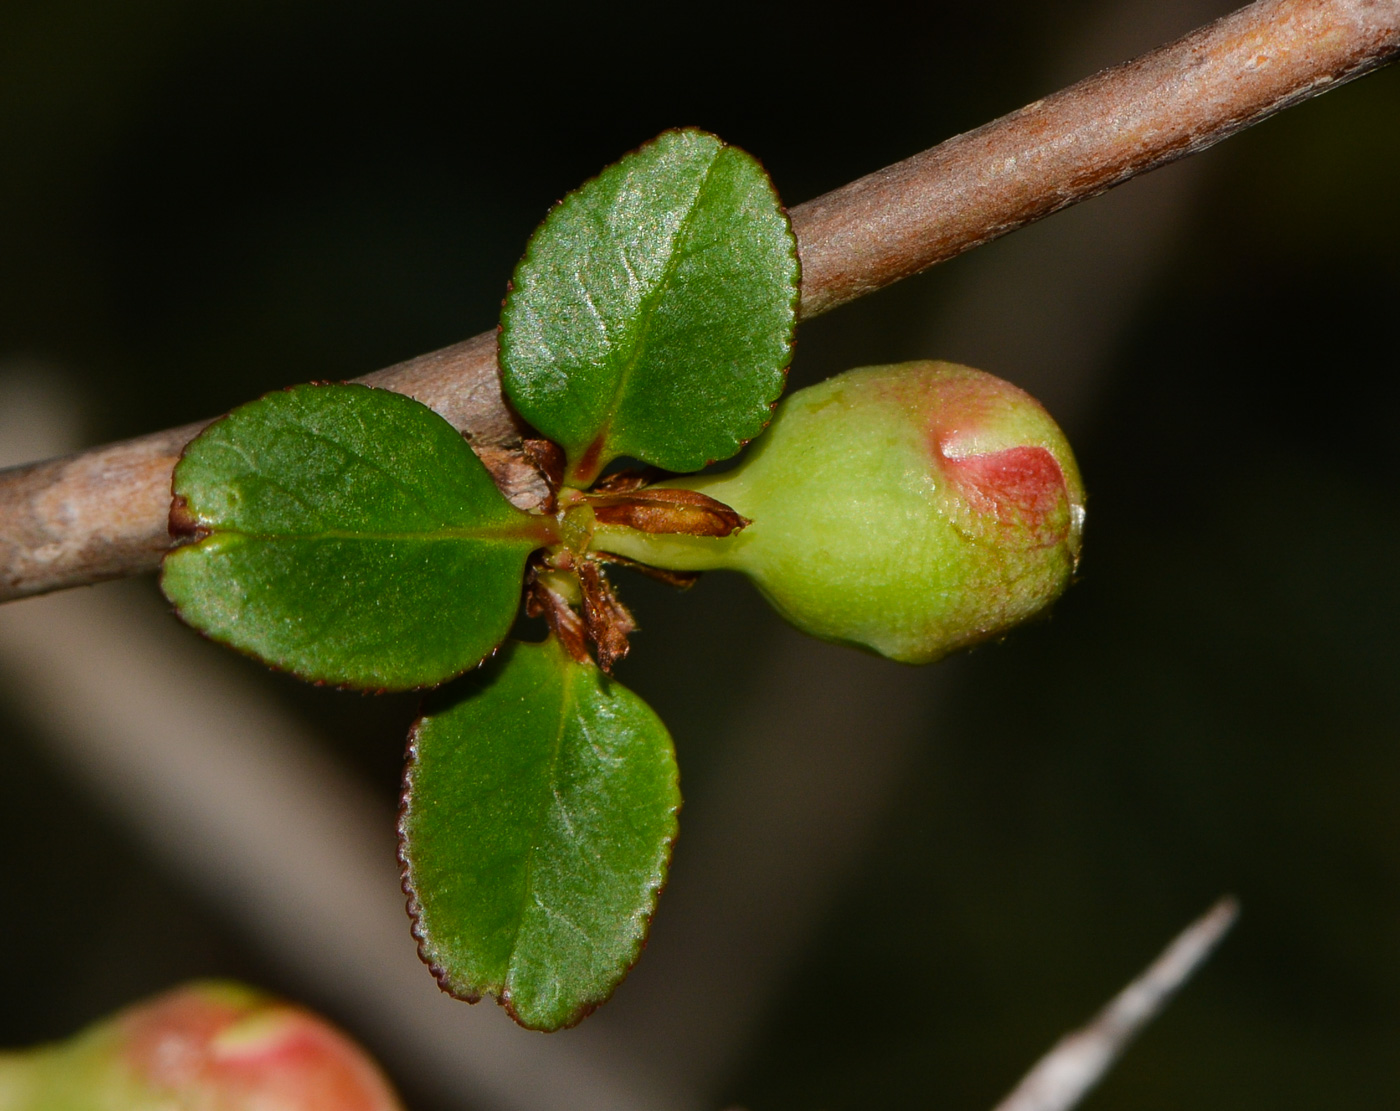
911, 509
205, 1046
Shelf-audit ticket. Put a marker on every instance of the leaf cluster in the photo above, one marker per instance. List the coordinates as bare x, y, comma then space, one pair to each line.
350, 536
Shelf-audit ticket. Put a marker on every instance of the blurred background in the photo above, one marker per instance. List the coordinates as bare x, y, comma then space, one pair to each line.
894, 887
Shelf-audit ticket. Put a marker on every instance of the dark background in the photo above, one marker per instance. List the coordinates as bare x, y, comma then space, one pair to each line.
202, 202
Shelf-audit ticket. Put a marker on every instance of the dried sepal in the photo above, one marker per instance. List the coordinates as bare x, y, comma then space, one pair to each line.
607, 621
542, 600
667, 511
681, 580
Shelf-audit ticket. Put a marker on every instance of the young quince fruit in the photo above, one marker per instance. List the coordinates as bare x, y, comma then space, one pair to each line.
911, 509
204, 1047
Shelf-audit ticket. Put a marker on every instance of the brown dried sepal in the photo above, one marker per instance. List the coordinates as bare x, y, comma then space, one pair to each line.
606, 620
666, 511
624, 482
681, 580
563, 621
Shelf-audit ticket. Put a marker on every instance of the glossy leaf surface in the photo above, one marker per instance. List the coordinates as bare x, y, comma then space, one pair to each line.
652, 315
348, 535
540, 807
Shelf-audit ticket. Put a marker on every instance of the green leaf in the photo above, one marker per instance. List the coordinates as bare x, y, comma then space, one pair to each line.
652, 315
539, 810
348, 535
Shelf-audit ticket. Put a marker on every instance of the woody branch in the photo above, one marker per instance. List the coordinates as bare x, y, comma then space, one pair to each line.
102, 513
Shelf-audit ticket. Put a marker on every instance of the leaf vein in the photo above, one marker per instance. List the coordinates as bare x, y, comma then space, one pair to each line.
565, 705
648, 302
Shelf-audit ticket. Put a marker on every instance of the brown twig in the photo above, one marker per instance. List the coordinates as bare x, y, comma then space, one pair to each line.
1176, 100
1079, 1060
102, 513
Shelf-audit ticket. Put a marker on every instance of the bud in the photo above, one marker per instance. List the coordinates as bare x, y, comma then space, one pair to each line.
910, 509
216, 1047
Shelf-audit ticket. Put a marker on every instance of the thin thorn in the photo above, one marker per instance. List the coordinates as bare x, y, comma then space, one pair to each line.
1080, 1060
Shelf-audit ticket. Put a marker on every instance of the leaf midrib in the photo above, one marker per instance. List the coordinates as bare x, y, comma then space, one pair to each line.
649, 300
565, 704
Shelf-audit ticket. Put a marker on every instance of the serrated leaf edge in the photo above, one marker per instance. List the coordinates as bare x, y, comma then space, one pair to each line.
794, 301
192, 534
471, 994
